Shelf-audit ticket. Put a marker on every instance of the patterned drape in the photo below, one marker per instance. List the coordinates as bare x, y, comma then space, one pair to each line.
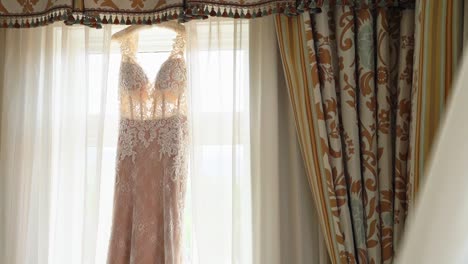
94, 13
349, 74
438, 46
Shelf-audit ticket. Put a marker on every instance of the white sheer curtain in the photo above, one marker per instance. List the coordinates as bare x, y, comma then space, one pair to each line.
220, 189
54, 147
248, 199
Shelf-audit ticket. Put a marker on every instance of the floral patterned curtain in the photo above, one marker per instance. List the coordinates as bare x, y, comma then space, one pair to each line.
94, 13
349, 73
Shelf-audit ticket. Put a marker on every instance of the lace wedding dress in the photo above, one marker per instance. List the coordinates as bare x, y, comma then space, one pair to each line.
151, 159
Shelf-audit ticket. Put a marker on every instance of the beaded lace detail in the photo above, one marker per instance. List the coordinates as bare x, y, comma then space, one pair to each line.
170, 133
165, 97
153, 102
151, 158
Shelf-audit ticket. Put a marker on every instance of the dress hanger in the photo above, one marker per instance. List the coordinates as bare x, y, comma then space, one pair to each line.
128, 31
172, 25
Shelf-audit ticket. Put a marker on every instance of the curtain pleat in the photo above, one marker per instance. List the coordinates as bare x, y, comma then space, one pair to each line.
285, 223
220, 200
385, 94
437, 229
438, 42
327, 99
403, 111
367, 107
349, 120
296, 48
2, 68
351, 99
53, 169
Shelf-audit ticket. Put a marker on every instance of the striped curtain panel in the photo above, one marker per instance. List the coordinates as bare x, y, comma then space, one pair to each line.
349, 75
438, 41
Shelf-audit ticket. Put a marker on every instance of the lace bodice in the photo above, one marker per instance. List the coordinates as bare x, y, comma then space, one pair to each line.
141, 99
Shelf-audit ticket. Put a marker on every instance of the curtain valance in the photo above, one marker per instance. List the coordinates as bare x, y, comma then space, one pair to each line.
34, 13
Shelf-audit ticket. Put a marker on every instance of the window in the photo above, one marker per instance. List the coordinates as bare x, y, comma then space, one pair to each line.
218, 211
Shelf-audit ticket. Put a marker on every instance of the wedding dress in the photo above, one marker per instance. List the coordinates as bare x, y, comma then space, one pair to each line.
151, 158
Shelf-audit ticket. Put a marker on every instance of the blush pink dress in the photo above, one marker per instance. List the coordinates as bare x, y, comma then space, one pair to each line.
151, 159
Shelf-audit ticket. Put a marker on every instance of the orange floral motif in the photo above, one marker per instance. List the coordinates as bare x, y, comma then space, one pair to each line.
372, 105
382, 75
109, 3
340, 59
347, 257
160, 3
28, 5
137, 4
384, 121
3, 9
384, 116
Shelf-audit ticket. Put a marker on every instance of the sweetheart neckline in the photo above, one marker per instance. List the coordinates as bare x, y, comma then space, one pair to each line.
136, 62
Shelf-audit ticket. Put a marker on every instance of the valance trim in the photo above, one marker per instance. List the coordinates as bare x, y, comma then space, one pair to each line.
181, 10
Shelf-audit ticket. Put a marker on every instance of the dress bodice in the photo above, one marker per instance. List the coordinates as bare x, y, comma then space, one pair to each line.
141, 99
